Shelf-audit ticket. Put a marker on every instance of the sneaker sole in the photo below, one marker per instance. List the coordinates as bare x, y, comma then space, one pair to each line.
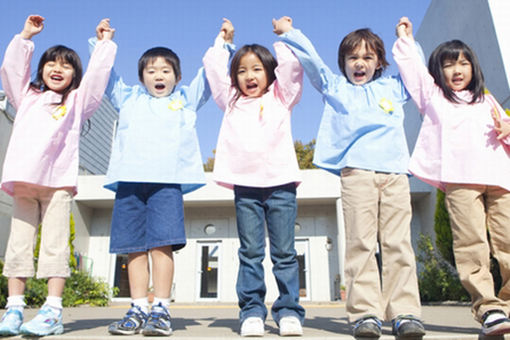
54, 331
497, 330
157, 332
8, 333
291, 333
252, 334
121, 332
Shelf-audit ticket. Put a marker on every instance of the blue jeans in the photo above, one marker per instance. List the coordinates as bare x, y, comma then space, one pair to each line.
277, 207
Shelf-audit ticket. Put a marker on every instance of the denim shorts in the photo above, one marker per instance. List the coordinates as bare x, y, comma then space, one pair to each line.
147, 216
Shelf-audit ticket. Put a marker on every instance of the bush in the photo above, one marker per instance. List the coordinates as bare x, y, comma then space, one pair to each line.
82, 289
438, 279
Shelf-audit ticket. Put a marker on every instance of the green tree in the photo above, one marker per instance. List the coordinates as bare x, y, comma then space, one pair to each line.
209, 165
304, 154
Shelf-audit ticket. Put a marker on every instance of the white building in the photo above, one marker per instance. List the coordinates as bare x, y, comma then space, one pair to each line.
206, 269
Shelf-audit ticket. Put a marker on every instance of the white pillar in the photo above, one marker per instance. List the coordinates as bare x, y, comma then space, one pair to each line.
340, 239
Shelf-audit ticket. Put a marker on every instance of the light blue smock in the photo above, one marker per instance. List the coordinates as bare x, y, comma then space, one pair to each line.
156, 139
355, 130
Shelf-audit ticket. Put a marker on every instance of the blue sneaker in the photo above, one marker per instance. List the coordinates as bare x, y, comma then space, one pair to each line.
11, 322
46, 322
159, 322
132, 323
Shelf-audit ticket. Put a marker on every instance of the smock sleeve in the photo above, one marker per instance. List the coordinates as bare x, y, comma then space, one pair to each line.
198, 92
15, 71
414, 73
319, 74
93, 85
216, 69
289, 75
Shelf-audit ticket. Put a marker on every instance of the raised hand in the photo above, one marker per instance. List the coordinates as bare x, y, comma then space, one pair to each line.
404, 28
33, 25
282, 25
227, 31
104, 30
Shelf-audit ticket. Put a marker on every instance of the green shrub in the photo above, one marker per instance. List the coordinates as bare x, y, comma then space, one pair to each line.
437, 278
36, 291
82, 289
79, 289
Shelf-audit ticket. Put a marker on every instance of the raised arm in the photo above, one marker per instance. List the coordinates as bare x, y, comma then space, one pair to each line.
116, 90
216, 65
95, 79
198, 91
409, 58
15, 71
319, 74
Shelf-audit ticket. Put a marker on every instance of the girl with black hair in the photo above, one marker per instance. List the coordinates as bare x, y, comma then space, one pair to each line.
462, 149
41, 164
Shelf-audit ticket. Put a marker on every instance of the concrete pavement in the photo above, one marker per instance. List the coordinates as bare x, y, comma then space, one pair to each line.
220, 321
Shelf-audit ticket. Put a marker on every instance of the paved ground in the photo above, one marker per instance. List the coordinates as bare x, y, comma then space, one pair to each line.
203, 321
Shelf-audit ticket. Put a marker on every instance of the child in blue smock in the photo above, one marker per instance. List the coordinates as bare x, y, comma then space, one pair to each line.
155, 160
361, 138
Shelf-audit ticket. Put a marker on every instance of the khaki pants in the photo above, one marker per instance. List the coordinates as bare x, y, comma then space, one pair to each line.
34, 205
473, 210
377, 210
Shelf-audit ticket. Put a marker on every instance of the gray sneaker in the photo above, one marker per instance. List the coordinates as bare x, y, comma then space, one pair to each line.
159, 322
367, 327
407, 326
132, 323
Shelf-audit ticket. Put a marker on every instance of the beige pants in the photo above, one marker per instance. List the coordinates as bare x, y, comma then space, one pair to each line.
34, 205
473, 210
377, 210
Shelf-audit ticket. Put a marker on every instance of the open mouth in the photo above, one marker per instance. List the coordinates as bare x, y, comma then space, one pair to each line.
359, 74
160, 86
251, 86
56, 77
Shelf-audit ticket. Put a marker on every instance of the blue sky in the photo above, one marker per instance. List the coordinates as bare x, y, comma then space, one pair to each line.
189, 28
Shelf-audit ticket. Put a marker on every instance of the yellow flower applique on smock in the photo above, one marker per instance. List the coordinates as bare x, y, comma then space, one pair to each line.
386, 105
59, 112
175, 105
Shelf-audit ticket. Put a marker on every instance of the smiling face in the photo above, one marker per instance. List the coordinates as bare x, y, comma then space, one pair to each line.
251, 76
458, 73
57, 75
361, 64
159, 77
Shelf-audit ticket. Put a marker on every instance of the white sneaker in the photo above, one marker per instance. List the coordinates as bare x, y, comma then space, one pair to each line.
252, 326
495, 322
290, 325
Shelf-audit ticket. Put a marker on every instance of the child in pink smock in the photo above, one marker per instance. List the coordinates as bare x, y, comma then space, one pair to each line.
41, 165
462, 149
255, 156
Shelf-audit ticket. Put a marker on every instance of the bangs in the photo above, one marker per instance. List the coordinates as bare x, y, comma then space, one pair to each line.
62, 53
452, 51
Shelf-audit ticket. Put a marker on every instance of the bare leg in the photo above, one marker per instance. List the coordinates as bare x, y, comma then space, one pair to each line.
56, 286
16, 285
138, 273
162, 271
